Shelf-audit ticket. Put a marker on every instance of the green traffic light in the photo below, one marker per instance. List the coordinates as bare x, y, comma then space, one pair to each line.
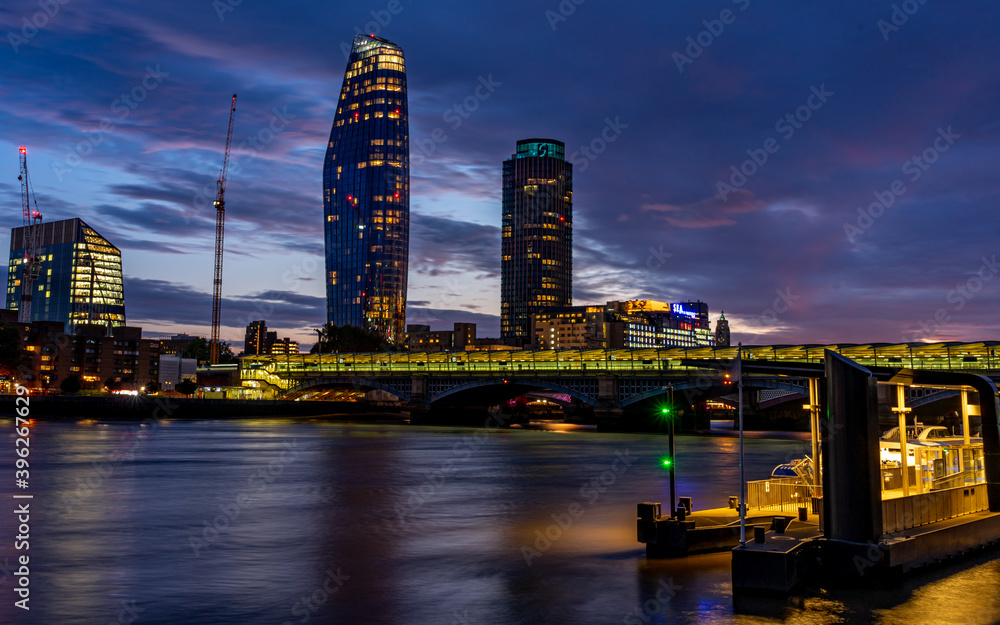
667, 462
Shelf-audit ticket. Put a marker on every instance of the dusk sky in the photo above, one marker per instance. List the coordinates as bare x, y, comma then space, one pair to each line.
891, 103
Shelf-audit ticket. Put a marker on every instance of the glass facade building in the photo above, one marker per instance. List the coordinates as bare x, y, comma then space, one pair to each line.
366, 193
537, 240
80, 279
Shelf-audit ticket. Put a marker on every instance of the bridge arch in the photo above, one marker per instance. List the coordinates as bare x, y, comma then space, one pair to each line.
517, 386
715, 390
359, 383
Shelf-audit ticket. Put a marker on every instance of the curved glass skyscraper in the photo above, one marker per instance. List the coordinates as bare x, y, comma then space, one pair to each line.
537, 243
366, 193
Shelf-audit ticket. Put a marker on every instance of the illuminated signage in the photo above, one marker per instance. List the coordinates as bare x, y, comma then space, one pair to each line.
678, 309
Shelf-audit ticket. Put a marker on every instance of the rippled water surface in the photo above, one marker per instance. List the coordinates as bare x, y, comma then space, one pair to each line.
271, 521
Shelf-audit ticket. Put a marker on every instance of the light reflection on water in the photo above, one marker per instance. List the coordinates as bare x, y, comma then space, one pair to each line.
420, 525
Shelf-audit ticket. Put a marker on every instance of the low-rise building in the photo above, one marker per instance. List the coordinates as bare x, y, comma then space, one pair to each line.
52, 355
174, 369
628, 324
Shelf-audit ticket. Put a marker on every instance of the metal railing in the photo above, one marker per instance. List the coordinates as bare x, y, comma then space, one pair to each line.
781, 495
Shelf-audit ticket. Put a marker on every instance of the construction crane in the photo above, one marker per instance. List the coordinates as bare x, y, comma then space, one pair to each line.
31, 266
220, 227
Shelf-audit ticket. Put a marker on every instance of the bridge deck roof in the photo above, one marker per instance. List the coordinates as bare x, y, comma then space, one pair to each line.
984, 353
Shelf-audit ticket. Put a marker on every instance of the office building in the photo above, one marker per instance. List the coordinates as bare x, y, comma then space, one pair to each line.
174, 369
633, 324
284, 347
366, 193
80, 277
255, 340
537, 238
259, 341
420, 338
176, 344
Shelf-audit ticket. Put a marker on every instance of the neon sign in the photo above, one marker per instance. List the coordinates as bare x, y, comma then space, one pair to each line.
678, 309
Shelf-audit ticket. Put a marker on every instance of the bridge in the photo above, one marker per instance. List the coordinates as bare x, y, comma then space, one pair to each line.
611, 381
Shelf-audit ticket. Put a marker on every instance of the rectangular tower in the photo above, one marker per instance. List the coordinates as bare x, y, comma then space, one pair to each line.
80, 280
255, 339
366, 193
537, 244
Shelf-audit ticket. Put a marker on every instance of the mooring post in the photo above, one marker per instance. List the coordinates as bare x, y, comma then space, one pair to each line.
852, 495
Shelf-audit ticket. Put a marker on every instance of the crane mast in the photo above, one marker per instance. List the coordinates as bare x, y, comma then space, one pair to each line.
30, 267
220, 227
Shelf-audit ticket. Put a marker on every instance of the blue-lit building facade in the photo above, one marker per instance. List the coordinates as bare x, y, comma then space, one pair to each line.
80, 277
537, 238
366, 193
632, 324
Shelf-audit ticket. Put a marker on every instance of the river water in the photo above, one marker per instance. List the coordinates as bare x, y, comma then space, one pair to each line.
272, 521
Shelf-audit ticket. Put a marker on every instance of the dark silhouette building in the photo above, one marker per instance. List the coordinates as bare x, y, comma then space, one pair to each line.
537, 244
366, 193
255, 340
722, 331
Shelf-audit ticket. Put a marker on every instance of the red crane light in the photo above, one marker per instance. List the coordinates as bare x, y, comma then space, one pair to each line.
23, 151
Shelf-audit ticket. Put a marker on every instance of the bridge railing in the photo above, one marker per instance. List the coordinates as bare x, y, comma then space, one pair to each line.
964, 357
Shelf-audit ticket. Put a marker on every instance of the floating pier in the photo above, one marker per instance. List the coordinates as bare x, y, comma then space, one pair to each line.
861, 520
705, 531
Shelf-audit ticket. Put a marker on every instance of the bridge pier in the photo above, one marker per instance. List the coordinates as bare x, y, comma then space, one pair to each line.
607, 408
418, 405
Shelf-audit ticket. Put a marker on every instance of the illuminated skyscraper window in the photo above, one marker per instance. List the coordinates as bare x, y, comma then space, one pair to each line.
80, 279
366, 193
537, 244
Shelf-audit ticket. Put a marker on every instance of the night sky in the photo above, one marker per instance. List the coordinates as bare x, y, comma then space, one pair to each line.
891, 109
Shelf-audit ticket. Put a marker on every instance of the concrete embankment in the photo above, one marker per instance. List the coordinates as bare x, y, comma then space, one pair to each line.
139, 408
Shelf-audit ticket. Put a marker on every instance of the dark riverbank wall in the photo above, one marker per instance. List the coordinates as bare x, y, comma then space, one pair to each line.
140, 408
